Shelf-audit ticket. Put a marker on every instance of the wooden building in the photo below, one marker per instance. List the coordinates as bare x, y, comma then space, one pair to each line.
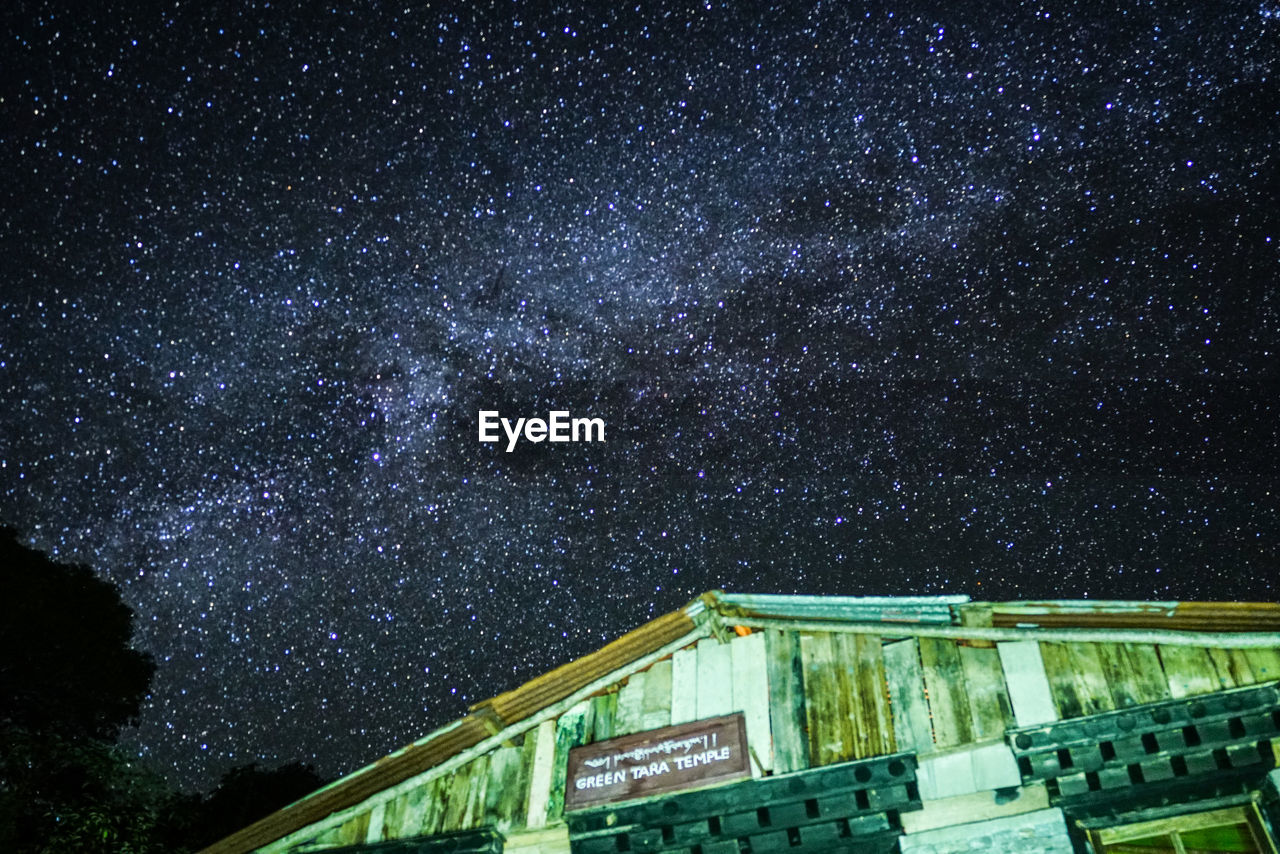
922, 725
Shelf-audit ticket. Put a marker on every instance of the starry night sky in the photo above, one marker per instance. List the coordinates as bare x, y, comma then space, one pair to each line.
873, 299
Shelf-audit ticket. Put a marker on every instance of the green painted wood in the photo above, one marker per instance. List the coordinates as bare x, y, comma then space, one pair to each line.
1147, 681
874, 715
786, 701
507, 787
989, 710
1057, 668
1188, 669
684, 685
1265, 664
948, 699
1024, 676
435, 805
1230, 673
540, 754
629, 713
475, 813
571, 730
1091, 683
715, 679
910, 711
455, 805
847, 721
604, 711
392, 816
656, 711
751, 697
1133, 673
822, 700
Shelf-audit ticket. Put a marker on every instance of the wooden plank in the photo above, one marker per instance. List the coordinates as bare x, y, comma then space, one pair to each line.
751, 697
994, 766
417, 812
1057, 667
844, 718
970, 768
1188, 823
466, 795
353, 830
551, 840
874, 714
989, 709
519, 800
603, 714
629, 715
392, 816
945, 775
786, 701
656, 710
1075, 676
911, 727
544, 741
1133, 672
1224, 668
412, 814
505, 790
977, 806
1188, 669
1091, 684
456, 804
855, 738
512, 806
1265, 663
715, 679
863, 709
377, 823
1024, 676
1149, 681
435, 804
478, 790
944, 684
1242, 668
1116, 669
330, 838
871, 715
684, 686
571, 730
821, 700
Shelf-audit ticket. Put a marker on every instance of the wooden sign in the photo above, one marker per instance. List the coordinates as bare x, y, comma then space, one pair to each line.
657, 761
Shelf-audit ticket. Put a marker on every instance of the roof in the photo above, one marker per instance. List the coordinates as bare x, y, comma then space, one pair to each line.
506, 715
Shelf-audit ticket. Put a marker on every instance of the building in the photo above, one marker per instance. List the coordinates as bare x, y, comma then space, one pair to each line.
921, 725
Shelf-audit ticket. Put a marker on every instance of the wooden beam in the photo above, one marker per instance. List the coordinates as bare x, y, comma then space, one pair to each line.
1267, 641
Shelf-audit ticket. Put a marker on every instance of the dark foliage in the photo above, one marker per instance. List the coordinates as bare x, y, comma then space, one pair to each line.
66, 667
243, 796
68, 681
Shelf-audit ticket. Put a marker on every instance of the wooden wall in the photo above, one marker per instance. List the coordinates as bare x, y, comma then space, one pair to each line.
812, 699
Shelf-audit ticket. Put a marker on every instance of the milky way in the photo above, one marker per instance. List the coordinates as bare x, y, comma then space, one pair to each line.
872, 300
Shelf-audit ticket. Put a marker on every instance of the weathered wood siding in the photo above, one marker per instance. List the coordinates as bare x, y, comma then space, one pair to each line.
809, 699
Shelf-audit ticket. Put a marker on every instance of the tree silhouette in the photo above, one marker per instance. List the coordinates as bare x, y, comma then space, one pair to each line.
66, 666
244, 795
68, 681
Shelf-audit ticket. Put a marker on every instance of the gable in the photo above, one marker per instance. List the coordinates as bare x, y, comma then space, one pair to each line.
814, 693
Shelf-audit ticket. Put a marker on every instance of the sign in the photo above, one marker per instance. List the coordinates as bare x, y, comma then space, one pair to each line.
657, 761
